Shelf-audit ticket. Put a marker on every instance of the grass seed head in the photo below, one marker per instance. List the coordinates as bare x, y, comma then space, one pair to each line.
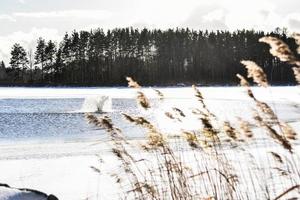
297, 73
132, 83
169, 115
296, 36
288, 131
191, 138
255, 72
159, 94
230, 131
198, 94
243, 81
279, 49
155, 139
139, 121
273, 133
277, 157
143, 101
245, 128
178, 111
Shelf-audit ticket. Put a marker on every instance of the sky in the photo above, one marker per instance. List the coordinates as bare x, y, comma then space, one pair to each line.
23, 21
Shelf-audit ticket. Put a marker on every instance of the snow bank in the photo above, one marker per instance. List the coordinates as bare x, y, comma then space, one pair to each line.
290, 93
9, 193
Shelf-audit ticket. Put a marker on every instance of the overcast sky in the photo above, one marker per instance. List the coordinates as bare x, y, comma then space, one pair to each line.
23, 21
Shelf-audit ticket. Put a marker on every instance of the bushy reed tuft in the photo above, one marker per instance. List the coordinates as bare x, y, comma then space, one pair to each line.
217, 161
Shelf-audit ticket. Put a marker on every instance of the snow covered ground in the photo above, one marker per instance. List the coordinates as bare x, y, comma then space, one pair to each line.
282, 93
63, 167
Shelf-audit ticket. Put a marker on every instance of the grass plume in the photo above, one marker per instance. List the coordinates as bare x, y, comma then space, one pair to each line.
215, 161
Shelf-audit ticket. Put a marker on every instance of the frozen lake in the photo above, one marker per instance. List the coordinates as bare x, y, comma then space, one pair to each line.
46, 143
43, 114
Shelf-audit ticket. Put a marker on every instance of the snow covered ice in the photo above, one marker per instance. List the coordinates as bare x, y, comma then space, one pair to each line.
58, 159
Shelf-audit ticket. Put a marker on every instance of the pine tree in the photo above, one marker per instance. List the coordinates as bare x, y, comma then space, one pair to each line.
58, 66
31, 64
40, 55
157, 56
18, 61
3, 74
50, 51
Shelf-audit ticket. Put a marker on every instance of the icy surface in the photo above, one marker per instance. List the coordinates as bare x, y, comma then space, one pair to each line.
46, 145
55, 114
290, 93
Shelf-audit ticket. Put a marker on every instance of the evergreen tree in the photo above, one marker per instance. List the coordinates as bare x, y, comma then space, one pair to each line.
3, 74
58, 66
40, 56
31, 64
50, 51
153, 57
18, 61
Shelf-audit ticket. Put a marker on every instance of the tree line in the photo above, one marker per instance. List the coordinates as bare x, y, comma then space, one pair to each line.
153, 57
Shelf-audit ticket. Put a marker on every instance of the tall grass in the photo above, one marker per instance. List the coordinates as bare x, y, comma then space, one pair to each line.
219, 161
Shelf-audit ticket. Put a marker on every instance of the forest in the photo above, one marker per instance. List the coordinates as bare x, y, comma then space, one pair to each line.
152, 57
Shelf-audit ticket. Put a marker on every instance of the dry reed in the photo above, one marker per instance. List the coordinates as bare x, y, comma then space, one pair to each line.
199, 165
255, 72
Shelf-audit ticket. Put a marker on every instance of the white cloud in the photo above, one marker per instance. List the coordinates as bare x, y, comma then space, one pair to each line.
197, 14
214, 15
233, 15
247, 19
262, 20
78, 14
26, 39
7, 17
210, 17
293, 21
